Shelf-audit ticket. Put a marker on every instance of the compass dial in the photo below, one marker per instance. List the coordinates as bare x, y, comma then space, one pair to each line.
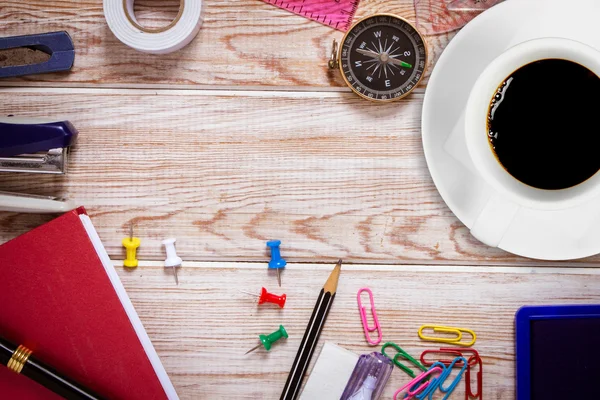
383, 57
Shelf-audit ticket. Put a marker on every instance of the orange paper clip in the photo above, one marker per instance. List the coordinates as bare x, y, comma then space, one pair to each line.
363, 318
457, 332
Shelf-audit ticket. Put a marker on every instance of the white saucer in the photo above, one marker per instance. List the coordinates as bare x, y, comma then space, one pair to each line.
549, 235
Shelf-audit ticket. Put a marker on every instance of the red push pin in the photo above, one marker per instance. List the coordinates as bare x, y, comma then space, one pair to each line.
266, 297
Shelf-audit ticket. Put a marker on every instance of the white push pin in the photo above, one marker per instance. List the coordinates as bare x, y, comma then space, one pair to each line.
172, 260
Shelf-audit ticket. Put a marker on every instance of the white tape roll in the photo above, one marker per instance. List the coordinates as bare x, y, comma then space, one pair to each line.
121, 21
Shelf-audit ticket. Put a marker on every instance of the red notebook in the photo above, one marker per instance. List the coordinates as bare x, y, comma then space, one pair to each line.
61, 297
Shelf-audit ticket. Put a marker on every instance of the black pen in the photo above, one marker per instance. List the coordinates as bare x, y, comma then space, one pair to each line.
19, 360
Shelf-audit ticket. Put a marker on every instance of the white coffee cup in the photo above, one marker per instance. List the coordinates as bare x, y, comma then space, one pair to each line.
510, 194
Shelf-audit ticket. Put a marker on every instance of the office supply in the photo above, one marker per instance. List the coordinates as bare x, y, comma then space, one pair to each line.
276, 261
121, 20
454, 353
173, 260
416, 381
36, 146
557, 352
366, 389
27, 203
311, 335
363, 318
401, 353
473, 360
131, 244
456, 340
469, 390
330, 374
62, 298
20, 360
444, 376
267, 340
337, 14
58, 45
369, 377
386, 63
429, 391
266, 297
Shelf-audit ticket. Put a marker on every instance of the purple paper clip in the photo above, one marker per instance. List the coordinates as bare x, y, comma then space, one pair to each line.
363, 317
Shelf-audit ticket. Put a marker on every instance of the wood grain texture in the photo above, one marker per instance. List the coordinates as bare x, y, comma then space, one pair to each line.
327, 173
265, 143
202, 328
242, 43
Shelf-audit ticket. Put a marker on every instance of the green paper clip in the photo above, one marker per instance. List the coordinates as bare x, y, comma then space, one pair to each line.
406, 356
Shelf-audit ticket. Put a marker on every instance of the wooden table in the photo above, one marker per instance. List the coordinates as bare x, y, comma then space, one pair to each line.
243, 136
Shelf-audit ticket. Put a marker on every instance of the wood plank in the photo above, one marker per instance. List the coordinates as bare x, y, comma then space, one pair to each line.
244, 43
203, 327
327, 173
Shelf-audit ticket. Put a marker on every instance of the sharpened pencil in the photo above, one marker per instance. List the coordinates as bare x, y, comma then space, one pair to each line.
311, 336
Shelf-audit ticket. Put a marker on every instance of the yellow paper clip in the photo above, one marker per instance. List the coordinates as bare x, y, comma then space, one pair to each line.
451, 330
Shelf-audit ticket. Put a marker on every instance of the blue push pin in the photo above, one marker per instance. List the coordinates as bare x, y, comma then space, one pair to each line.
276, 261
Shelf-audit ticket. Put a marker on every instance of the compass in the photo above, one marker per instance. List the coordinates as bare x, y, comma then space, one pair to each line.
382, 57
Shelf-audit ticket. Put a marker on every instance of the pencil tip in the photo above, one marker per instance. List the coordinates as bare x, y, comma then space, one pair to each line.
332, 281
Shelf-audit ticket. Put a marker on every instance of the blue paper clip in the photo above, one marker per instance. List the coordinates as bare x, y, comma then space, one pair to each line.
448, 390
363, 318
433, 385
57, 44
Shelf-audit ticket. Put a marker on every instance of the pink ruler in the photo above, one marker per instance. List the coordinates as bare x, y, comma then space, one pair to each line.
335, 13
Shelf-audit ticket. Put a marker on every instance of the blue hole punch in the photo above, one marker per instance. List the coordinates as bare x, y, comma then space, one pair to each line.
276, 261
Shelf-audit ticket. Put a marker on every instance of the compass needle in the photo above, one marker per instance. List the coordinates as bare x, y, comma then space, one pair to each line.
368, 53
389, 48
401, 63
393, 51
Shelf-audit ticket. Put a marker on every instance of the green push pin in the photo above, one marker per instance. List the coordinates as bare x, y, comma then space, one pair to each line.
267, 340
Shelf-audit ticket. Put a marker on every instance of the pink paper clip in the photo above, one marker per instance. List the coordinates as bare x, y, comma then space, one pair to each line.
363, 317
410, 394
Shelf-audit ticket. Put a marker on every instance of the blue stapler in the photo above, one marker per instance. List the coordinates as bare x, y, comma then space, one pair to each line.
34, 146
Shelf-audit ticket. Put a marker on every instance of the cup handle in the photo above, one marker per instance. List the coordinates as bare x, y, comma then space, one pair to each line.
494, 219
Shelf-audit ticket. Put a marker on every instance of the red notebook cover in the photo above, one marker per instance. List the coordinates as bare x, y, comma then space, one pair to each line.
61, 297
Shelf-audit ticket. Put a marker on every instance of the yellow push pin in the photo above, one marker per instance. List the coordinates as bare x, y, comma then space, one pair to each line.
131, 244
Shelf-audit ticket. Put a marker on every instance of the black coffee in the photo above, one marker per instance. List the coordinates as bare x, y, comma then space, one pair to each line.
544, 124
